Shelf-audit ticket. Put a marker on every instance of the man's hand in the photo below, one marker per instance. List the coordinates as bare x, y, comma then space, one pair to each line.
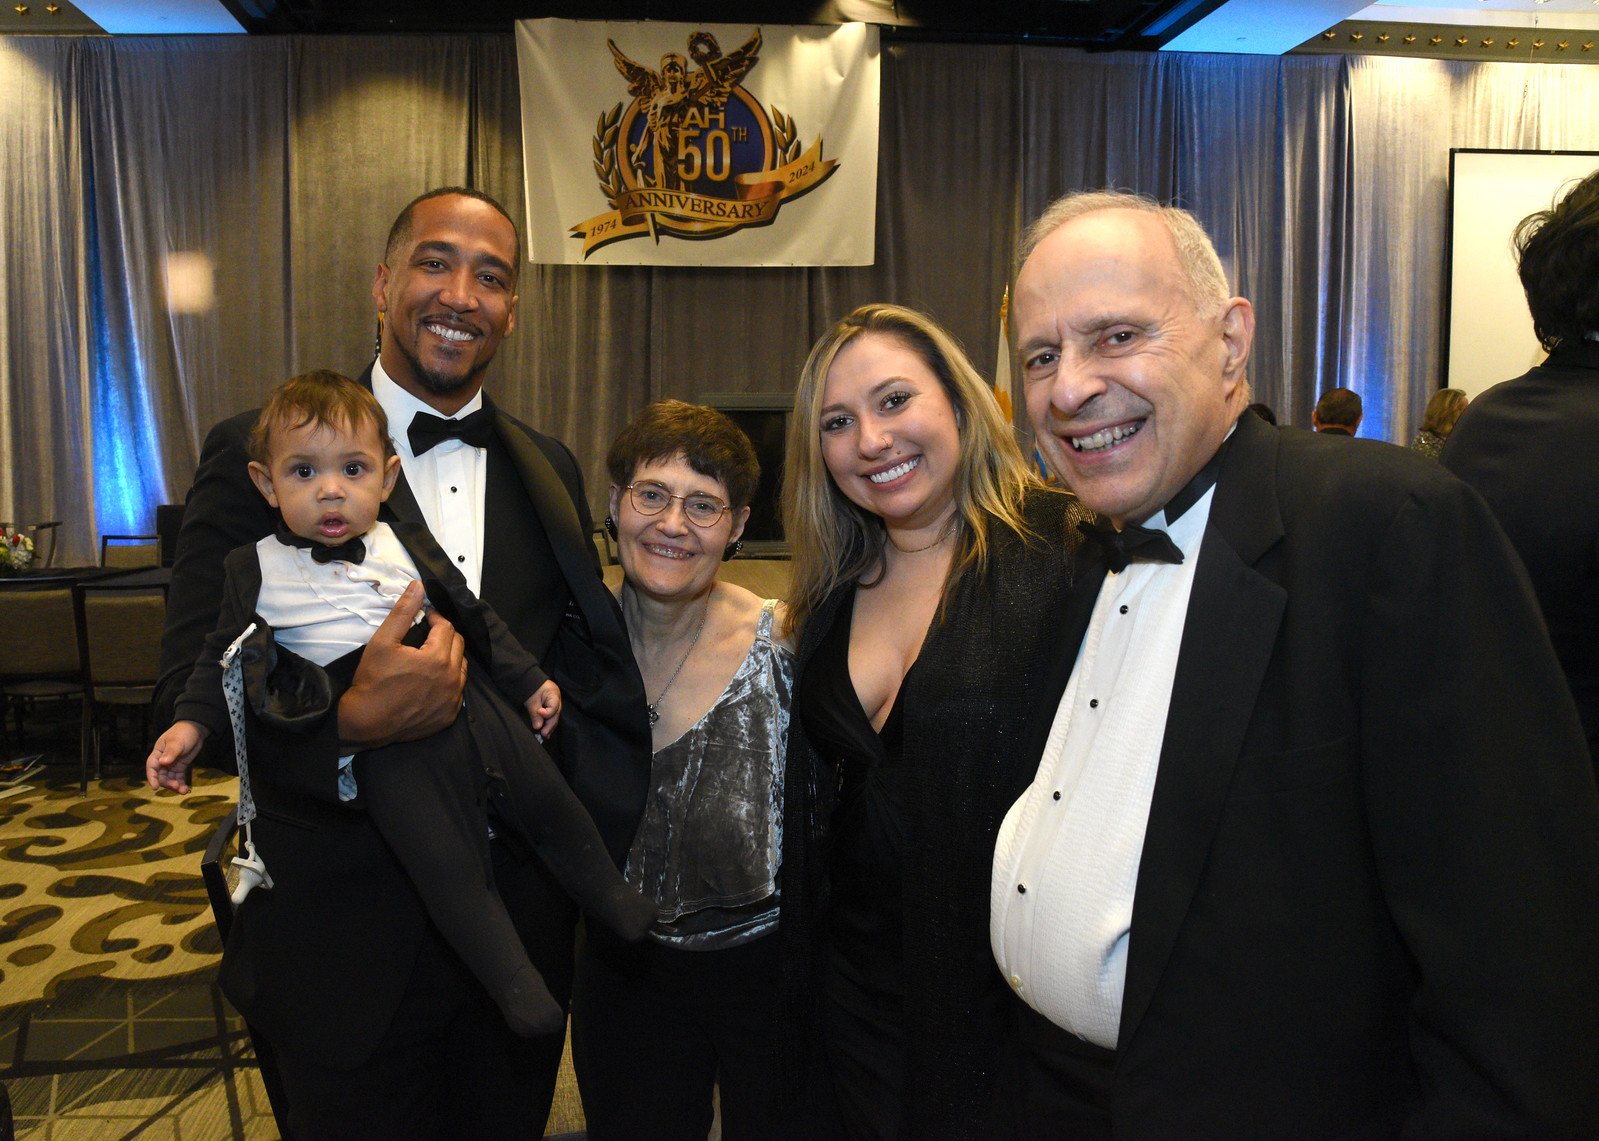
400, 692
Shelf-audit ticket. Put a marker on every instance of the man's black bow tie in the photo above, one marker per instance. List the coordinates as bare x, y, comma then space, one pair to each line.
426, 430
1131, 544
349, 551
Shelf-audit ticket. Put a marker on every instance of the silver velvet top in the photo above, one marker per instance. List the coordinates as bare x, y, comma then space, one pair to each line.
707, 848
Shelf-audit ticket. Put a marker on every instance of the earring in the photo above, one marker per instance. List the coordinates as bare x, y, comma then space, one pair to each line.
733, 548
610, 526
377, 338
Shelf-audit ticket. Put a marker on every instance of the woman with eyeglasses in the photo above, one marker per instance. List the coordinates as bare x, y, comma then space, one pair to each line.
932, 573
656, 1023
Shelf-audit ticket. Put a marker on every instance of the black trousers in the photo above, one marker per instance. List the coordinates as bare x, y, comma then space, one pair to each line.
653, 1028
448, 1065
1059, 1085
429, 800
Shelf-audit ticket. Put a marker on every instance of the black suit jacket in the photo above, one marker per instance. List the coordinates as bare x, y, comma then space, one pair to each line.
1366, 900
1530, 447
365, 913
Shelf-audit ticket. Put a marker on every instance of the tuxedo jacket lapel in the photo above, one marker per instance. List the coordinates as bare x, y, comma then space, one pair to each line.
1234, 613
551, 499
446, 589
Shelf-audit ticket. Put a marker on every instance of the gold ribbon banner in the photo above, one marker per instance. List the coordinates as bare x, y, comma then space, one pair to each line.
758, 197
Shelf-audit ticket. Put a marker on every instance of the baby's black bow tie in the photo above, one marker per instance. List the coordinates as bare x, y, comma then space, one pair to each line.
1131, 544
350, 551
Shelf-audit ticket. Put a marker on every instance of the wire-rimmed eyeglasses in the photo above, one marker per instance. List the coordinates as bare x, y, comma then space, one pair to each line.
650, 498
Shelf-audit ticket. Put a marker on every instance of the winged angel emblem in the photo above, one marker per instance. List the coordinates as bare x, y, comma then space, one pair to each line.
678, 94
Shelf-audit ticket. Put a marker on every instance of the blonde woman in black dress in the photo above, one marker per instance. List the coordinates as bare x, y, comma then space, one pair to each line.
929, 565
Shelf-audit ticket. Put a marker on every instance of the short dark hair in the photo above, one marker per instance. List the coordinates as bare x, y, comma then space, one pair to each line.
327, 399
1339, 406
1557, 256
712, 444
1264, 411
400, 232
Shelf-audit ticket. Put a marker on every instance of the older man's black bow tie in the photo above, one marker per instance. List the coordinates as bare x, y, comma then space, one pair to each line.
1131, 544
426, 430
349, 551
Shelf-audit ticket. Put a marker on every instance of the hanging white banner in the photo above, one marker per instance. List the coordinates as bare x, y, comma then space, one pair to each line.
699, 144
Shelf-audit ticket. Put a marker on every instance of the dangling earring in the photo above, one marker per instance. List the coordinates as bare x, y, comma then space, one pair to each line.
733, 548
377, 339
610, 526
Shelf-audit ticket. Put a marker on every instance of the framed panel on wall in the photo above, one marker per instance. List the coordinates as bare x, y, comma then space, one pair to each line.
1487, 330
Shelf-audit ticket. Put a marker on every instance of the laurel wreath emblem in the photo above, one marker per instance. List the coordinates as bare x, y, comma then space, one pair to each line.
787, 137
607, 139
605, 151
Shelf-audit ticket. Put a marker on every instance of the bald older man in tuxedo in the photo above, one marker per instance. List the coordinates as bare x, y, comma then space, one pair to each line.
1296, 858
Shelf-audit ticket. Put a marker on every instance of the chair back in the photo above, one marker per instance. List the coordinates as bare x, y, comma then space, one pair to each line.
119, 639
38, 630
168, 522
129, 552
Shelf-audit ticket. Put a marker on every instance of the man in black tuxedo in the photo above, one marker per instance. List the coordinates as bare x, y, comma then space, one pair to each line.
1312, 848
1530, 446
394, 1037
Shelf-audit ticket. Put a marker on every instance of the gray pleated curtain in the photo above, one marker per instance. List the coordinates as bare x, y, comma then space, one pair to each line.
283, 159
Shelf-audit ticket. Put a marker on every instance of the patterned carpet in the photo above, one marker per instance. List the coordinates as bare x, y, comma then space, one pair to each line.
105, 886
111, 1025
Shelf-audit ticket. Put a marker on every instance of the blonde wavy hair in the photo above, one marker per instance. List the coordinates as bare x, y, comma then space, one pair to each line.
834, 541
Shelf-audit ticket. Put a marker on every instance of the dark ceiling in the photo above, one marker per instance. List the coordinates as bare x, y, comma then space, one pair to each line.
1120, 24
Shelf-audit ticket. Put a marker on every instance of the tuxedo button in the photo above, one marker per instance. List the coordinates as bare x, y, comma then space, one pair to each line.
1124, 608
1093, 703
1057, 796
460, 558
1021, 889
453, 490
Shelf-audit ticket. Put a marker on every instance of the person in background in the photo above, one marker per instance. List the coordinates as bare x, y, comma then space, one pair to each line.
1530, 446
930, 568
1298, 859
1339, 412
657, 1024
1264, 411
1438, 421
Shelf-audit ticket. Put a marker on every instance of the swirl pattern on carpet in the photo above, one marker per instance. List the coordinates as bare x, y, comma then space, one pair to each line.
105, 885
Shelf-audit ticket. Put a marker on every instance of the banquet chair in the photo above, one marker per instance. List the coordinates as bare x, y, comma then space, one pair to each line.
130, 552
168, 522
604, 545
38, 627
119, 650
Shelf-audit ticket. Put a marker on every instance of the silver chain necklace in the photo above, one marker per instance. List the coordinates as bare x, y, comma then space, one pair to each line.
653, 707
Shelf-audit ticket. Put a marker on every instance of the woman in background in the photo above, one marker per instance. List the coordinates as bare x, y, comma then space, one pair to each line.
655, 1024
929, 570
1438, 421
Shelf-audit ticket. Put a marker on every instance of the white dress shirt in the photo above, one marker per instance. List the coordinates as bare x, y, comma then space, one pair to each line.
449, 481
1066, 860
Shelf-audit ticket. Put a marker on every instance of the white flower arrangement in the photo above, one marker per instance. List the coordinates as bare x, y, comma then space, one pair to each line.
16, 550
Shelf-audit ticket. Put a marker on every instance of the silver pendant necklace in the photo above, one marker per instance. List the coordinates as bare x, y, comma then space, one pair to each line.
653, 707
